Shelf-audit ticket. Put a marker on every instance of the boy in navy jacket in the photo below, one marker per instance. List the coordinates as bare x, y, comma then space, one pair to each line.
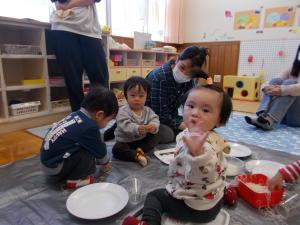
73, 146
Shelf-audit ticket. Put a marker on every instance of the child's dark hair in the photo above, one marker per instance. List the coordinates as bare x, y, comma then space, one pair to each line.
197, 55
101, 99
296, 64
60, 1
226, 107
136, 81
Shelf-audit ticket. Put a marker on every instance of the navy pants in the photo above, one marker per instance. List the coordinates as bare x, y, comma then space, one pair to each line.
77, 53
127, 151
78, 166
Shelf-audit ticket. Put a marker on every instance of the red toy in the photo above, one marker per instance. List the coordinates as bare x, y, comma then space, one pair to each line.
253, 189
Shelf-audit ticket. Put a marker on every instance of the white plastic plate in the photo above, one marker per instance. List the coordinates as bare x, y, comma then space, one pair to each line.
97, 201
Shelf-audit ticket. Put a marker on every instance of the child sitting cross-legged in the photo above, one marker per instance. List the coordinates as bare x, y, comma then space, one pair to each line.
196, 184
73, 146
137, 125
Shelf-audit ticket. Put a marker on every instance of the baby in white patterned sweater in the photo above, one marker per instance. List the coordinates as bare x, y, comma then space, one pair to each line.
197, 174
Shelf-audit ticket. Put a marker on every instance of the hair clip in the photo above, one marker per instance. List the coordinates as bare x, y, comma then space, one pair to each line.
259, 31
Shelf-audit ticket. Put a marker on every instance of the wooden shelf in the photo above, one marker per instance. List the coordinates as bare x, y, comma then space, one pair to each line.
22, 36
24, 87
27, 116
15, 56
145, 61
61, 109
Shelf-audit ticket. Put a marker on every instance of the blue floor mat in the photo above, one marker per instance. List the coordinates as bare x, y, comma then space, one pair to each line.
281, 138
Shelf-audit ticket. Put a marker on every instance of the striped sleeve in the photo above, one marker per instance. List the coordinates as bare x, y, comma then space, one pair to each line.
291, 172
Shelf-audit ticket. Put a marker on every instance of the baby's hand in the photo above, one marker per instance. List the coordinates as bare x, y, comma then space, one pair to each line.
275, 183
142, 129
107, 167
151, 128
195, 141
61, 6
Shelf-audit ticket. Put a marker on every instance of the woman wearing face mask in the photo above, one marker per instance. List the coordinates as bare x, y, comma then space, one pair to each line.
169, 83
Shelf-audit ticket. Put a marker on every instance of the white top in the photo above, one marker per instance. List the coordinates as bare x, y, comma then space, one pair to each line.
199, 180
80, 20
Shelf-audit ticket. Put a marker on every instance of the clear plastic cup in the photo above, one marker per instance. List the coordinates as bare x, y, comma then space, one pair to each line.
135, 189
289, 207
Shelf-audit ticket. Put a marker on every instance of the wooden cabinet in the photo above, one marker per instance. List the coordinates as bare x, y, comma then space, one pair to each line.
124, 63
24, 86
30, 75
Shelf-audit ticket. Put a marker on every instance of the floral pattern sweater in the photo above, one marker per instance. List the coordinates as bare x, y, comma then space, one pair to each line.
200, 180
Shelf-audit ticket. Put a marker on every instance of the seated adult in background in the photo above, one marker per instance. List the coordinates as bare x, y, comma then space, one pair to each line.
168, 85
281, 100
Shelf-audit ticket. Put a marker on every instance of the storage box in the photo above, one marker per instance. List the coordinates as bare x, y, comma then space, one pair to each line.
24, 108
56, 81
33, 82
132, 62
255, 198
20, 49
148, 63
60, 103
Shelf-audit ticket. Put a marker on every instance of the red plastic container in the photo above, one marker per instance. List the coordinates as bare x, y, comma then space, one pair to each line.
257, 199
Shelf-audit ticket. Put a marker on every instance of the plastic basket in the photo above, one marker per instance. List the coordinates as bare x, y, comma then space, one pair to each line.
257, 199
20, 49
24, 108
60, 103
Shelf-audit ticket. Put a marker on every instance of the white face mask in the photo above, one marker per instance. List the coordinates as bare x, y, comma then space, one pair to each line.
179, 76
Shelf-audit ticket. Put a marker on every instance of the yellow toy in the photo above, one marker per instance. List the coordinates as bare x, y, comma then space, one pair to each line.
243, 87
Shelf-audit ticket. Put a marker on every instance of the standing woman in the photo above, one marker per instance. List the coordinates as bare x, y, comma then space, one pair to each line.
78, 46
281, 100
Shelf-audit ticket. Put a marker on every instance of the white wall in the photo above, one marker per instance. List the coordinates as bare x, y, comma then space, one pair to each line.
204, 20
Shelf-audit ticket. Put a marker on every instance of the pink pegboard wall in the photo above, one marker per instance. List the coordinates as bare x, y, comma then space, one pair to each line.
266, 57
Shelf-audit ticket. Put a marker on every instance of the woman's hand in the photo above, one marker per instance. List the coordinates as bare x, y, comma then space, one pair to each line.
272, 90
195, 141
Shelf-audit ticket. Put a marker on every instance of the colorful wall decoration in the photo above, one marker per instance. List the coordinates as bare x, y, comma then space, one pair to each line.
279, 17
247, 20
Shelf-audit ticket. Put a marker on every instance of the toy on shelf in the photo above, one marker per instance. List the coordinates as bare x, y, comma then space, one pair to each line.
243, 87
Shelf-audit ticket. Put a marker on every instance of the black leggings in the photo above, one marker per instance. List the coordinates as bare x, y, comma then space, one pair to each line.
160, 201
76, 53
127, 151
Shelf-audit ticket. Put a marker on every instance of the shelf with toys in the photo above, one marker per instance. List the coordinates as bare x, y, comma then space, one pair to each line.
125, 62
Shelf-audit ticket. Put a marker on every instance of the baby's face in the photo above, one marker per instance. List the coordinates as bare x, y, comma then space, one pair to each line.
202, 110
136, 97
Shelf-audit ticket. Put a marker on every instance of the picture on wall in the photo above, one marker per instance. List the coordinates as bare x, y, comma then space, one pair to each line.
279, 17
244, 20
